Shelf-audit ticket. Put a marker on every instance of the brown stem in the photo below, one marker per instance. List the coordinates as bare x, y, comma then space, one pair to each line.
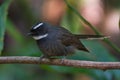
60, 62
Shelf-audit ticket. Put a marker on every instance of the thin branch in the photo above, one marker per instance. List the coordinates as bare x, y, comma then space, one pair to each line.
60, 62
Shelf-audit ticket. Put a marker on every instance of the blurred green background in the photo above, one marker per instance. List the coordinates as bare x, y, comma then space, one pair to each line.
18, 16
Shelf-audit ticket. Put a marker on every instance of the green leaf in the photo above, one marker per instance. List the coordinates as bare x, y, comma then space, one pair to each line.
3, 15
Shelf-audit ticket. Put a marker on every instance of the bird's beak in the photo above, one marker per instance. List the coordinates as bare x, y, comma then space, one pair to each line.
29, 34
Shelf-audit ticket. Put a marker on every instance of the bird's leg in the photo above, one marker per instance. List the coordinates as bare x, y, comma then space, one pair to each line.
43, 56
47, 57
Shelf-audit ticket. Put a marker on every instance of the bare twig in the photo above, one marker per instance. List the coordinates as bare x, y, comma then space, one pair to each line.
60, 62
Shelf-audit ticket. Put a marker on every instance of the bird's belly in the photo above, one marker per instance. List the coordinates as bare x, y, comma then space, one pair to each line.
54, 48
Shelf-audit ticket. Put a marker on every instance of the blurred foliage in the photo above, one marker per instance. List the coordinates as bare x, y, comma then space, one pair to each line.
112, 3
119, 23
3, 14
22, 45
23, 5
72, 22
91, 26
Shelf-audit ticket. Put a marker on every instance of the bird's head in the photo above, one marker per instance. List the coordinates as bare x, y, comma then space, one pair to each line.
38, 31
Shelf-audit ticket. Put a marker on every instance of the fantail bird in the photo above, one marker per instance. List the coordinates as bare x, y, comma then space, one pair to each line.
58, 41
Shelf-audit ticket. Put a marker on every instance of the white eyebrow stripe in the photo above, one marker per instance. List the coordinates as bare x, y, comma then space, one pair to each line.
40, 37
38, 25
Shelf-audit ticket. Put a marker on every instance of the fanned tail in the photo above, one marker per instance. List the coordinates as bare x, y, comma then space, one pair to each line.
91, 37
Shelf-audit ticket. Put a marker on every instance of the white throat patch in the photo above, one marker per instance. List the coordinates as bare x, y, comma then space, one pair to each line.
40, 24
40, 37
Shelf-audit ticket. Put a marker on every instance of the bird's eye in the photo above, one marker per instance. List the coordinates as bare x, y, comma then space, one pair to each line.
32, 30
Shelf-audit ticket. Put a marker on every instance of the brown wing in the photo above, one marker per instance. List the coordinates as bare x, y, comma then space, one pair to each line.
68, 39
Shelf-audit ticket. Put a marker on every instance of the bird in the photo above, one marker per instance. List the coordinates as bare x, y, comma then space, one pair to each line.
57, 41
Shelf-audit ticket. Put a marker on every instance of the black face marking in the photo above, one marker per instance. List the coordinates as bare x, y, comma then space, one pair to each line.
38, 29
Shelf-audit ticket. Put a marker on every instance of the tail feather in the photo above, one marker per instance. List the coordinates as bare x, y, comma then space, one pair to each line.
80, 46
91, 37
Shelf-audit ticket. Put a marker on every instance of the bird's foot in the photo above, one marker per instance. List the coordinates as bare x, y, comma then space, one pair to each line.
45, 57
42, 57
